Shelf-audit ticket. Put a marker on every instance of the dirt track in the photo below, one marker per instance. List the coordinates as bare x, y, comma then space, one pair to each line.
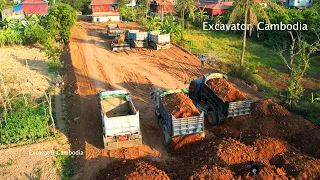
139, 71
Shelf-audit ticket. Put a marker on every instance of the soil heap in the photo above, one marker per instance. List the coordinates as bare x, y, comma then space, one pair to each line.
268, 108
180, 105
131, 170
225, 91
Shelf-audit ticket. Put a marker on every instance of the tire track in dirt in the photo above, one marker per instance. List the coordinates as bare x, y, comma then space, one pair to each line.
140, 71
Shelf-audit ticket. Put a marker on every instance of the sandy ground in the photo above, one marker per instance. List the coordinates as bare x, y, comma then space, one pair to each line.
94, 67
25, 161
26, 68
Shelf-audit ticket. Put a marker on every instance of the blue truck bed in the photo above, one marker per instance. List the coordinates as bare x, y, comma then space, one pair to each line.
174, 127
181, 126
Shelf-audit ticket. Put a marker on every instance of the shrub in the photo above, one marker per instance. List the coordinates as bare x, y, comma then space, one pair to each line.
25, 122
308, 110
10, 37
36, 33
60, 19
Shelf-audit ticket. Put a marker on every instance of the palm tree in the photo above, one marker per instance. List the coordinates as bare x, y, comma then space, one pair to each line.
247, 10
201, 14
186, 5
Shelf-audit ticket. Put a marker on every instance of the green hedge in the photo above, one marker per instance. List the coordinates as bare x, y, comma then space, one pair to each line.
25, 124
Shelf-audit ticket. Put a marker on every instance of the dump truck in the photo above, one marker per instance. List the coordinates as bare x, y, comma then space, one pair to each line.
158, 40
120, 120
113, 30
136, 38
213, 106
119, 43
170, 125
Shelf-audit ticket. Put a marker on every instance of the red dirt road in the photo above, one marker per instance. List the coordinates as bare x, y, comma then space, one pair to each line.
93, 67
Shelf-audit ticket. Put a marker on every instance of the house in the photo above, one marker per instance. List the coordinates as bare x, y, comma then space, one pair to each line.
11, 13
215, 7
105, 10
34, 6
156, 6
301, 4
28, 7
131, 3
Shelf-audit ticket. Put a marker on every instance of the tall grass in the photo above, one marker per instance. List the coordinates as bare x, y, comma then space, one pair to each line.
10, 37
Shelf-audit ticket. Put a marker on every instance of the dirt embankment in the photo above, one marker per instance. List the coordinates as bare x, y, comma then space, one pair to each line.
225, 90
180, 105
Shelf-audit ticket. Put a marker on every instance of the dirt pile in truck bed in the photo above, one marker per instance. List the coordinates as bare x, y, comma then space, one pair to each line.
225, 91
180, 105
268, 108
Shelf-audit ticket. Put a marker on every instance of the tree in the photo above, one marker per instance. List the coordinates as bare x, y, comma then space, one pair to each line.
298, 63
3, 4
247, 10
153, 22
184, 6
201, 14
60, 19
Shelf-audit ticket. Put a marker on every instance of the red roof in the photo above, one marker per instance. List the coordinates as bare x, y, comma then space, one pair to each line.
216, 5
103, 2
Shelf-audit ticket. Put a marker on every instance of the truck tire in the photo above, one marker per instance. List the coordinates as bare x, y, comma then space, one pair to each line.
212, 118
167, 143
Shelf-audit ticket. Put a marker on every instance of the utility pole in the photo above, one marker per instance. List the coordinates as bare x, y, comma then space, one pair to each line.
162, 9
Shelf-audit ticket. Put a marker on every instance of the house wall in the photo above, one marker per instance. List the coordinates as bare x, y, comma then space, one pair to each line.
216, 12
133, 2
104, 8
106, 18
11, 14
35, 8
166, 8
300, 2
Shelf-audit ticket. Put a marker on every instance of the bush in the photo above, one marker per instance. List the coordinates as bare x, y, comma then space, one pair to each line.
25, 123
308, 110
10, 37
36, 33
60, 19
249, 75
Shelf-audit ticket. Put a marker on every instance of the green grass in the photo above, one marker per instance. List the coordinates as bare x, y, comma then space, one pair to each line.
227, 46
63, 164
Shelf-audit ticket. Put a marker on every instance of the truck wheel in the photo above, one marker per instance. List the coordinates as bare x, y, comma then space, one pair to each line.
167, 143
212, 118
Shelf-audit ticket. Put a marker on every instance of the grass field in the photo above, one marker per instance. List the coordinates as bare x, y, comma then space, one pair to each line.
226, 48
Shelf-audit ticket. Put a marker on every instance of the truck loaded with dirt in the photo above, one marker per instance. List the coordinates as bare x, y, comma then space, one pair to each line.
120, 120
179, 119
218, 98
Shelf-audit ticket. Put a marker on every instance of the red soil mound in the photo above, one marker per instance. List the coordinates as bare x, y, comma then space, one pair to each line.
271, 172
268, 148
234, 152
147, 171
268, 108
132, 170
179, 141
180, 105
301, 166
216, 173
225, 91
